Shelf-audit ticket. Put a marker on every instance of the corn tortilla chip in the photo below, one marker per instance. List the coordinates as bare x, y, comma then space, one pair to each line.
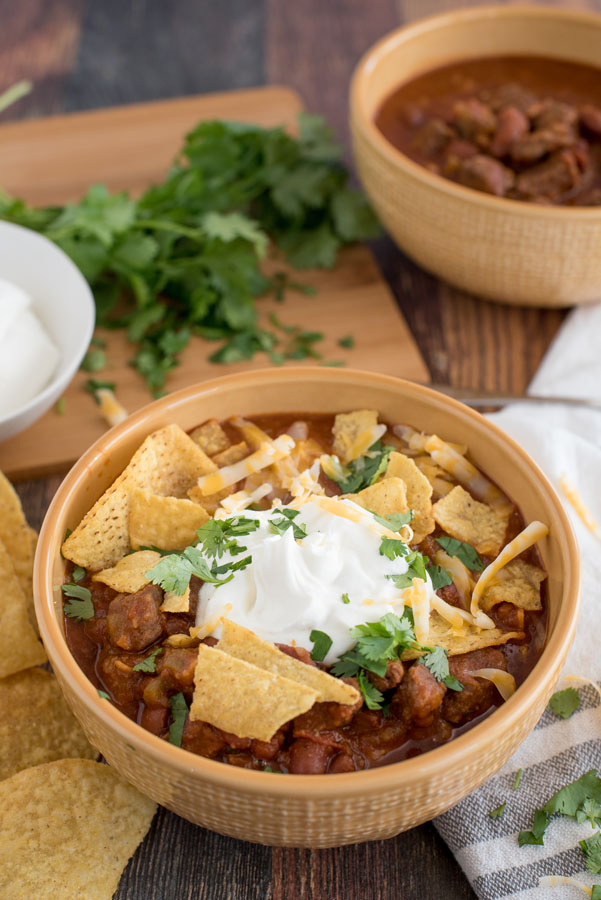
67, 830
176, 602
419, 493
36, 725
164, 522
211, 502
129, 575
210, 437
16, 535
351, 431
519, 583
471, 521
232, 454
384, 498
456, 643
167, 463
19, 646
243, 699
244, 644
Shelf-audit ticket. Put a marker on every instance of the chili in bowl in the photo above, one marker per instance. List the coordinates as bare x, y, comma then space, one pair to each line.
340, 593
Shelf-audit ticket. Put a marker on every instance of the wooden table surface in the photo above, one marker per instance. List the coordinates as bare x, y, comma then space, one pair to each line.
83, 54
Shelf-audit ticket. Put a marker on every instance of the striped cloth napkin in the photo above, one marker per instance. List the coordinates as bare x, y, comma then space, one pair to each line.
566, 442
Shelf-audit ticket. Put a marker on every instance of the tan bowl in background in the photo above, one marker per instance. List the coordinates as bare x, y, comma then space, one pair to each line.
515, 252
310, 810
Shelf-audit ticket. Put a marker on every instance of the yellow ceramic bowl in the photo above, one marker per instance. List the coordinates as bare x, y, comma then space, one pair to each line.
310, 810
505, 250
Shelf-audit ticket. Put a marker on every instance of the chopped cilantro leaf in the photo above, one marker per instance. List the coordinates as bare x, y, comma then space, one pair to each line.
590, 811
439, 577
92, 385
564, 703
103, 694
465, 553
220, 535
286, 521
78, 573
518, 779
93, 361
395, 521
348, 342
498, 812
436, 660
372, 696
346, 598
417, 569
173, 572
60, 406
591, 847
596, 892
231, 567
148, 664
321, 645
536, 835
179, 711
79, 605
392, 547
365, 470
570, 800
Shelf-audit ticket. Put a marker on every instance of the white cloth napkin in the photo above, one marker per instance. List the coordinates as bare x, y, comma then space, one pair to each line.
565, 441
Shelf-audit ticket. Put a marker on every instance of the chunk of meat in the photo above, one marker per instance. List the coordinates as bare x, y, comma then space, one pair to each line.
477, 694
550, 180
483, 173
268, 750
154, 719
342, 762
432, 137
309, 758
325, 717
372, 736
418, 697
202, 738
553, 115
179, 664
459, 149
134, 620
508, 616
590, 116
537, 144
512, 125
510, 94
473, 119
392, 677
299, 653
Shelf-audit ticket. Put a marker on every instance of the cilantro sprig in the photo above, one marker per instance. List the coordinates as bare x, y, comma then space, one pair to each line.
465, 553
79, 604
580, 800
149, 663
286, 521
185, 258
363, 471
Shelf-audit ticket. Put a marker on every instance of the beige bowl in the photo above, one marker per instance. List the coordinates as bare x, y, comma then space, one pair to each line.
310, 810
505, 250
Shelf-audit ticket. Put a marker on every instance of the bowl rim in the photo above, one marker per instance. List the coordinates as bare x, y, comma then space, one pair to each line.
434, 762
365, 125
64, 378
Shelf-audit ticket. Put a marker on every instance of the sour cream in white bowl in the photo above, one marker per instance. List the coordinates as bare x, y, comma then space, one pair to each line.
47, 318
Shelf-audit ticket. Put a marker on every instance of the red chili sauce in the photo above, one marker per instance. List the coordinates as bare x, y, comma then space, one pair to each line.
420, 713
523, 127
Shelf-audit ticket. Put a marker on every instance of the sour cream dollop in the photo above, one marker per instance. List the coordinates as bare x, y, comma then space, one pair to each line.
28, 357
293, 586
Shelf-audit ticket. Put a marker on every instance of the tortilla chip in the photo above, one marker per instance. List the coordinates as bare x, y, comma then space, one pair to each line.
167, 463
456, 643
211, 502
164, 522
129, 575
243, 699
36, 725
519, 583
232, 454
210, 437
176, 602
16, 536
348, 429
471, 521
19, 646
67, 831
384, 498
244, 644
419, 493
441, 487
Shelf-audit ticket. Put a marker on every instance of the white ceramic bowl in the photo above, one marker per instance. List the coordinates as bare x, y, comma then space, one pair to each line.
63, 302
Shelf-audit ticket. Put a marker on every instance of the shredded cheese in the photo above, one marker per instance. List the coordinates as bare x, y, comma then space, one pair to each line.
306, 484
241, 500
583, 680
467, 474
559, 880
459, 573
111, 409
364, 440
457, 618
265, 456
526, 538
503, 681
583, 512
417, 598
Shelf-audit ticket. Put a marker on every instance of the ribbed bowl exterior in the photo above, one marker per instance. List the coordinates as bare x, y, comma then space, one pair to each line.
295, 810
505, 250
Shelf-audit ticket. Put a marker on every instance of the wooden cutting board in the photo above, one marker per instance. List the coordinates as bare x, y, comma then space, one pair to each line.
55, 160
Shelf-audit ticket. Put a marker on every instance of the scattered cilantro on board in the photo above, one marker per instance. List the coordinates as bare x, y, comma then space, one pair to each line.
564, 703
185, 258
580, 800
498, 812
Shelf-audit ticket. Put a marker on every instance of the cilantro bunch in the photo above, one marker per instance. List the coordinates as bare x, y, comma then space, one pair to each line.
384, 640
185, 258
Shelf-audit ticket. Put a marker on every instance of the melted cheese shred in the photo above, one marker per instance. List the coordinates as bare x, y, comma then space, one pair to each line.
241, 500
582, 680
503, 681
113, 412
579, 506
526, 538
265, 456
560, 880
457, 618
417, 598
459, 573
364, 441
